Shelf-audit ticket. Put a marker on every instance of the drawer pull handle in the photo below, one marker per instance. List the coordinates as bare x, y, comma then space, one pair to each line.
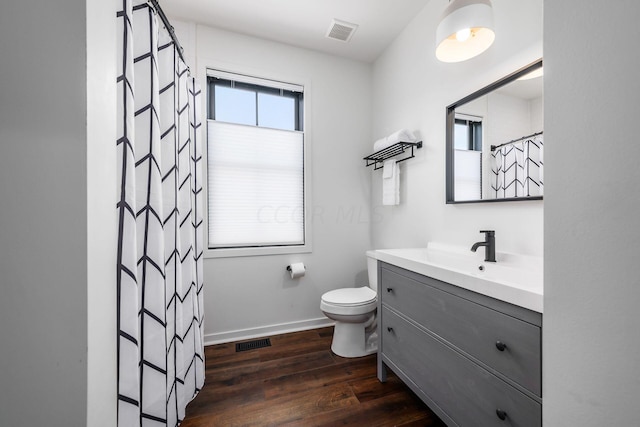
389, 290
500, 345
501, 414
390, 329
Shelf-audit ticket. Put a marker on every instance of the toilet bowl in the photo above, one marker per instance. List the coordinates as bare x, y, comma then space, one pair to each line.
354, 313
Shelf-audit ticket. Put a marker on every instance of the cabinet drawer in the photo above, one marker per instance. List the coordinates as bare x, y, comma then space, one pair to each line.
468, 393
472, 327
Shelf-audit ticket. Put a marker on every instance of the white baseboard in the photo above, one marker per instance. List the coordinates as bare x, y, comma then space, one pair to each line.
264, 331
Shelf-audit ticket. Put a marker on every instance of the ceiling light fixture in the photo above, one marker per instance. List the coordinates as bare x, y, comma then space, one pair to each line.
465, 30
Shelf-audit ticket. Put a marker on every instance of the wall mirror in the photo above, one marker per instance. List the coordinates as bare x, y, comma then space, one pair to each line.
494, 141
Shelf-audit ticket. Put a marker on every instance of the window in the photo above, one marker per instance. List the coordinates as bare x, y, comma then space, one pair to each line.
467, 144
468, 133
255, 167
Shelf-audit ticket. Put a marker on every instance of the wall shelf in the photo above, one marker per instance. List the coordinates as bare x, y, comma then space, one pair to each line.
376, 159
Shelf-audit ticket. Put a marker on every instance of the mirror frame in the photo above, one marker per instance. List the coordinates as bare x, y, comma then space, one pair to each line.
450, 121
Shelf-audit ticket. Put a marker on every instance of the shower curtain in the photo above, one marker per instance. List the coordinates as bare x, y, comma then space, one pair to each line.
517, 169
159, 271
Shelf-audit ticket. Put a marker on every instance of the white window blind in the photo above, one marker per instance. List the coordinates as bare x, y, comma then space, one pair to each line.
468, 175
255, 186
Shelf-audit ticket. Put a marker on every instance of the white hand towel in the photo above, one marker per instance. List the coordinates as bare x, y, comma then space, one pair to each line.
390, 183
389, 169
380, 144
402, 135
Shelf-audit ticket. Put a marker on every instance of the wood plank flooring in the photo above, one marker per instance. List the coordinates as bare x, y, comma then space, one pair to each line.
298, 381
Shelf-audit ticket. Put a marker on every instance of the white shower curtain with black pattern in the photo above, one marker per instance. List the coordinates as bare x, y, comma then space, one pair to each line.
159, 285
518, 169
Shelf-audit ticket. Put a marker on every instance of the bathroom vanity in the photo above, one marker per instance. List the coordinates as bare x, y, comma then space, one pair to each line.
475, 360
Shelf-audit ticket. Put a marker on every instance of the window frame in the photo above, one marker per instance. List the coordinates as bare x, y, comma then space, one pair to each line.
474, 131
474, 139
298, 97
302, 114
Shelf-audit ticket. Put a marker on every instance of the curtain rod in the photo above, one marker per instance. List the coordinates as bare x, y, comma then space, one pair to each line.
494, 147
169, 28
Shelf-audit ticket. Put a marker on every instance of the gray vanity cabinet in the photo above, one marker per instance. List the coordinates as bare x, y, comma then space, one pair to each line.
474, 360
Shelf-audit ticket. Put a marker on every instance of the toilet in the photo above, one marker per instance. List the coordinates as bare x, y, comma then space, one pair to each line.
354, 313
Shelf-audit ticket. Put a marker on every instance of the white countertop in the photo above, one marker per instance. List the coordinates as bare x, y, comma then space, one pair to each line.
516, 279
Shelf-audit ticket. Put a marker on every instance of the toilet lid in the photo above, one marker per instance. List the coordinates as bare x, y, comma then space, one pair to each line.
350, 296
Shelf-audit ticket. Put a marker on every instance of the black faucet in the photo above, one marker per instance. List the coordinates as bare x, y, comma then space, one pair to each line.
489, 245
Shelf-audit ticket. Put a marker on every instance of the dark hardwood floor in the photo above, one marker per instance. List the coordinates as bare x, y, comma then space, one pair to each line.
298, 381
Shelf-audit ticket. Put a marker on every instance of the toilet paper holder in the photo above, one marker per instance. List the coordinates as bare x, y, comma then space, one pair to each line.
296, 270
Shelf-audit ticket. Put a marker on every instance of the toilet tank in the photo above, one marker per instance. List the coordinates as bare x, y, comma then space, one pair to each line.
372, 269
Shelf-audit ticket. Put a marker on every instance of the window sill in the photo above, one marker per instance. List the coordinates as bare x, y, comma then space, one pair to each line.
262, 251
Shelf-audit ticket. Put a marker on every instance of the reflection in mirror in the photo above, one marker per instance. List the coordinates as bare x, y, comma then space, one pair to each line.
495, 141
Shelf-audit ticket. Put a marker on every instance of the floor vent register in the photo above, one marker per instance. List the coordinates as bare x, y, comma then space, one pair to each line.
252, 345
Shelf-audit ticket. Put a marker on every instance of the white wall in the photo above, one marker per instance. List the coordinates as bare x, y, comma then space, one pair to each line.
102, 220
411, 89
509, 117
591, 340
47, 264
537, 114
252, 296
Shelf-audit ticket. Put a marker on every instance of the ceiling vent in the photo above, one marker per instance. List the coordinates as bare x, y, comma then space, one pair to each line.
341, 30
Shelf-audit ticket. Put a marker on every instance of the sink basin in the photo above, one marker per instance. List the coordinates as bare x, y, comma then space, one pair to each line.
514, 278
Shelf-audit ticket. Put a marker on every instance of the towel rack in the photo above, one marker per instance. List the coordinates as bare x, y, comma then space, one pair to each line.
376, 159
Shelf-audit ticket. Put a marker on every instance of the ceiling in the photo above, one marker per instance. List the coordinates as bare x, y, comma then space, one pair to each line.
305, 23
524, 89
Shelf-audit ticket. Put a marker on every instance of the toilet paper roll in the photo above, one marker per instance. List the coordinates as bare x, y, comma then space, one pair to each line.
296, 270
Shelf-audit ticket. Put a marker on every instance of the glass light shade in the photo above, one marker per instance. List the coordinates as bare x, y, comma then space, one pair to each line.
476, 15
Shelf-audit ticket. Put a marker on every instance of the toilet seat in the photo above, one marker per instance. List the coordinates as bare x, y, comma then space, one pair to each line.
350, 297
349, 301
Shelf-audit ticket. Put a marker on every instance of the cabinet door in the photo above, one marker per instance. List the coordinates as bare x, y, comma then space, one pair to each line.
465, 391
508, 345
